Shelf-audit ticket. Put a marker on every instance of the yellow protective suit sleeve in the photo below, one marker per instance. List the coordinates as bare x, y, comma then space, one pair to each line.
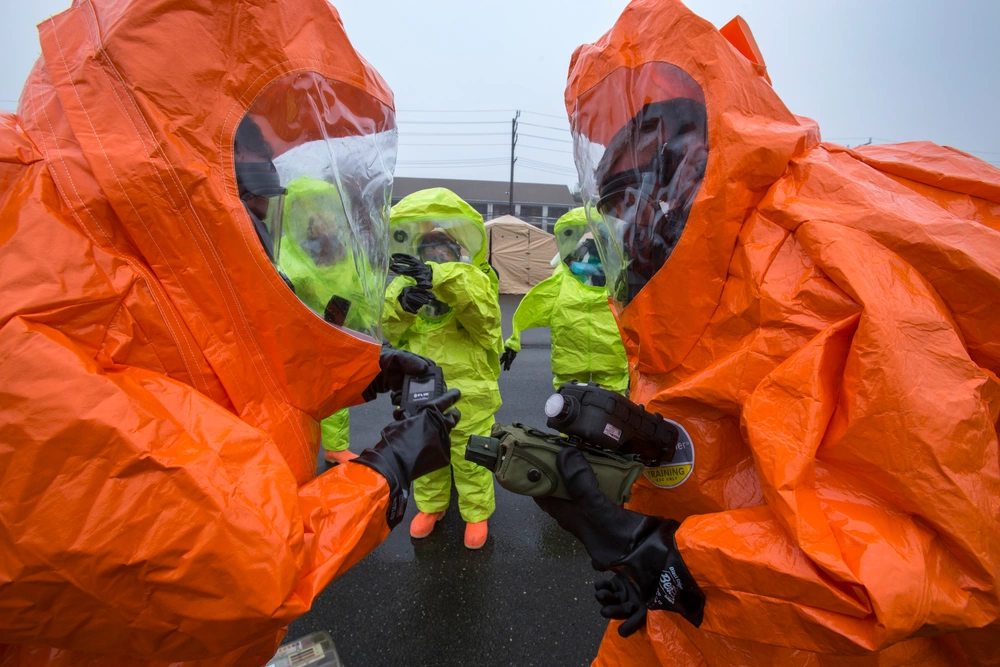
535, 310
198, 539
870, 486
396, 321
336, 430
470, 294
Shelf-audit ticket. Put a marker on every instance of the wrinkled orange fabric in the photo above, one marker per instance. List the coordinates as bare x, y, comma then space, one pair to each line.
160, 386
828, 332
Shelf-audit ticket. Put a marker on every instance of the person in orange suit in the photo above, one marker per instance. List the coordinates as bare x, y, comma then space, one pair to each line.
822, 324
162, 380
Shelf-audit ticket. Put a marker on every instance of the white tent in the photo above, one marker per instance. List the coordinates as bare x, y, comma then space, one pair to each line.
521, 253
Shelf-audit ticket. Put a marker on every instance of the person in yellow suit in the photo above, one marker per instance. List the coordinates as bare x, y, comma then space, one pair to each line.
821, 323
444, 305
313, 255
573, 302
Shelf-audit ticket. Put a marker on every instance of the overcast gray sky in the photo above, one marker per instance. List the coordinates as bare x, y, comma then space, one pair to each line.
892, 70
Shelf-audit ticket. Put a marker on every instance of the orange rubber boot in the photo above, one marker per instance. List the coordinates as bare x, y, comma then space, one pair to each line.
423, 524
339, 457
475, 534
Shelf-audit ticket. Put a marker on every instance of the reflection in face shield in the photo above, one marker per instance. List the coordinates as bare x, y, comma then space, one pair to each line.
648, 178
313, 160
640, 187
321, 242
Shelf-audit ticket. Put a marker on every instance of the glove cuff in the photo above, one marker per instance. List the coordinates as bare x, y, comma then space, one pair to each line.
377, 385
382, 461
656, 566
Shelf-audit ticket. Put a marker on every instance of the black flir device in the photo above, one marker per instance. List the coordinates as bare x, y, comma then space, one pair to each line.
593, 416
419, 390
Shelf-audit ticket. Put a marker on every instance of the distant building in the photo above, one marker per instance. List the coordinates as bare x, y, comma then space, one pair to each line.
541, 204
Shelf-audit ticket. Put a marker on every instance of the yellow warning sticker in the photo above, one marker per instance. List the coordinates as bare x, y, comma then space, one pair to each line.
675, 472
668, 476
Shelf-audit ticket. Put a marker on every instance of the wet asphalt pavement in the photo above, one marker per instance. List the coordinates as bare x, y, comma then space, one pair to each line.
525, 598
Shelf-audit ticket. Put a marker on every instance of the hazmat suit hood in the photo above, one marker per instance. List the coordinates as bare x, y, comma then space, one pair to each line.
577, 248
154, 95
569, 229
750, 138
439, 209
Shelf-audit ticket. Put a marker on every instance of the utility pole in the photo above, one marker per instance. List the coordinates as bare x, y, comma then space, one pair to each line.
513, 143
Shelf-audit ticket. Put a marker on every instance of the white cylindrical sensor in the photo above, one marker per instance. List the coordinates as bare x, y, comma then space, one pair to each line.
554, 406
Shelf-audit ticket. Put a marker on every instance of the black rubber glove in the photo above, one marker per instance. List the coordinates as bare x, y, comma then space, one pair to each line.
407, 265
413, 298
620, 600
639, 546
395, 365
413, 447
507, 358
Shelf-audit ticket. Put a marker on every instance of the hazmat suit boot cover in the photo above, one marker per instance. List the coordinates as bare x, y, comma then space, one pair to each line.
465, 341
825, 330
161, 385
585, 336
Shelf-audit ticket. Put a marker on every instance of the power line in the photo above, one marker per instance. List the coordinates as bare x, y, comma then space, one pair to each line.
536, 136
550, 150
466, 159
548, 127
520, 145
455, 163
406, 145
439, 166
548, 171
548, 165
494, 160
563, 165
453, 122
567, 174
548, 115
534, 113
456, 134
454, 110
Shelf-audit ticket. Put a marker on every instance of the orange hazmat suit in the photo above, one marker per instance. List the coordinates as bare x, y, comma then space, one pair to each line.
827, 331
160, 385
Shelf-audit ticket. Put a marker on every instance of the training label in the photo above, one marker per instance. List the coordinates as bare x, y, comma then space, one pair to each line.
676, 472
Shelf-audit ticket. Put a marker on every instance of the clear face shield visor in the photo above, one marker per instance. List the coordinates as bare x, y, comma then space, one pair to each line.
583, 259
440, 241
313, 161
568, 238
640, 184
